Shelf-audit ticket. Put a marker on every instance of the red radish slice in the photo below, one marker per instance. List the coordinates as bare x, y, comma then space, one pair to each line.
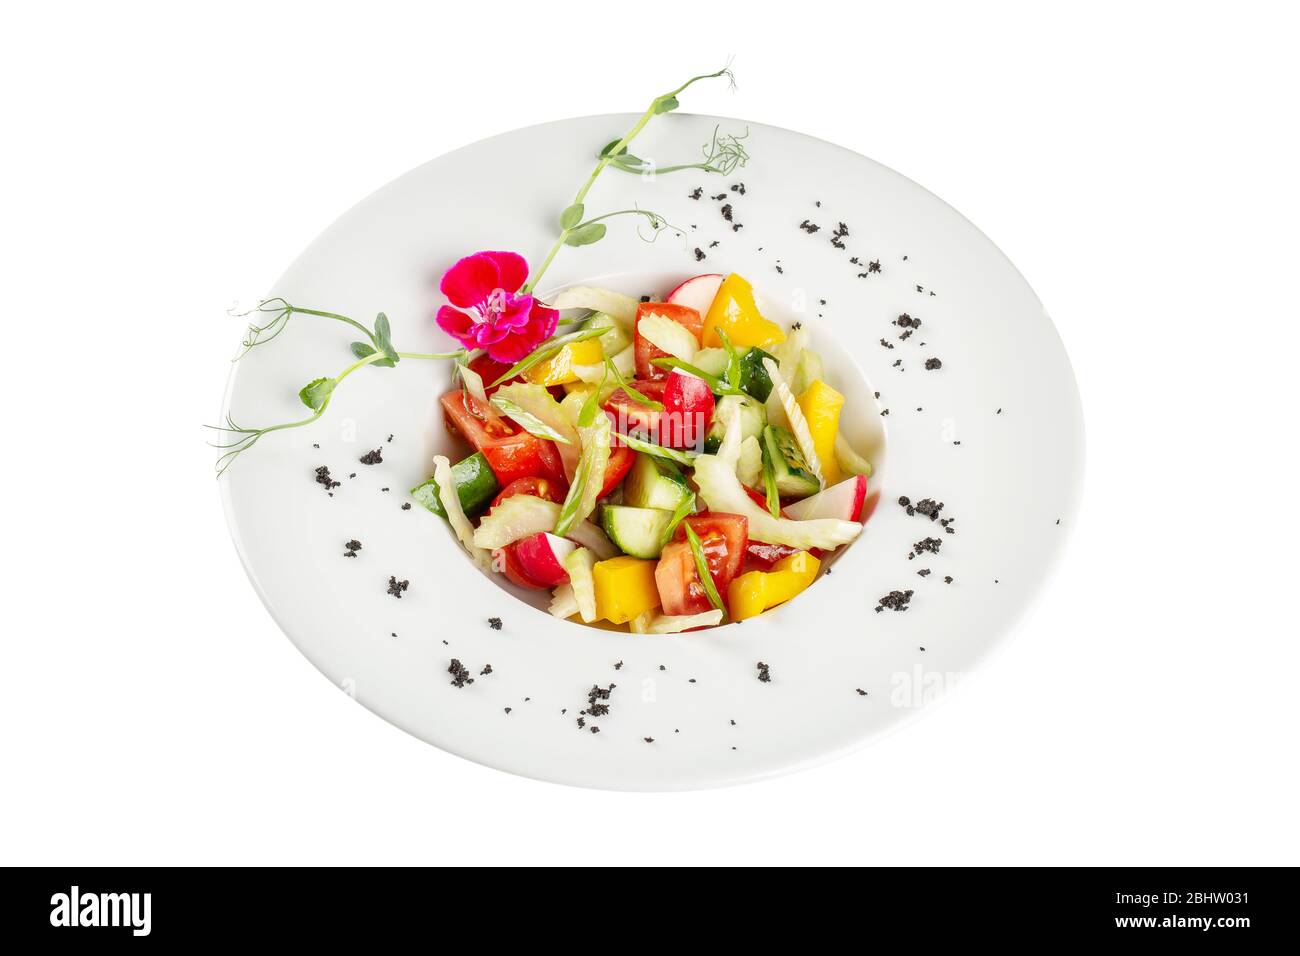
843, 501
696, 293
688, 410
542, 558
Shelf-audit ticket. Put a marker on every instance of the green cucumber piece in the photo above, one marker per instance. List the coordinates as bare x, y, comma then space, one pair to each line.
476, 485
655, 483
753, 417
613, 341
713, 361
793, 479
637, 531
754, 379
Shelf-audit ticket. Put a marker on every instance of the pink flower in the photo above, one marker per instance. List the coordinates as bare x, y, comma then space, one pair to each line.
507, 324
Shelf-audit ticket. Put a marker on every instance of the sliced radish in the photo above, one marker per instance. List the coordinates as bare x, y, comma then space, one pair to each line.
697, 293
542, 558
843, 501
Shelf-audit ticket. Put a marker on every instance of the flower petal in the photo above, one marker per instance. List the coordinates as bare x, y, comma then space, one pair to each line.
470, 281
512, 269
485, 334
458, 325
514, 316
539, 328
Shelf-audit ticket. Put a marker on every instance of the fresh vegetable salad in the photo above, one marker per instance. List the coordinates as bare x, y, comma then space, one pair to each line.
659, 466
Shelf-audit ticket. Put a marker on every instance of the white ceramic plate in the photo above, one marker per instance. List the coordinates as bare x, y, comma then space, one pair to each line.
995, 434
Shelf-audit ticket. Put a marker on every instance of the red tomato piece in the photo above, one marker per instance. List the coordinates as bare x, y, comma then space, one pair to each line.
535, 486
723, 538
508, 562
629, 417
489, 369
616, 469
645, 352
688, 410
511, 452
552, 464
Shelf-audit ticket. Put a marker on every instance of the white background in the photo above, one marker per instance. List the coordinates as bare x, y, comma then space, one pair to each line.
1138, 162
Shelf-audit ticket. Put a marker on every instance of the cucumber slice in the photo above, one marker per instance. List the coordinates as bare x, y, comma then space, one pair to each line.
793, 478
754, 379
579, 564
638, 531
613, 341
713, 361
753, 417
655, 483
476, 485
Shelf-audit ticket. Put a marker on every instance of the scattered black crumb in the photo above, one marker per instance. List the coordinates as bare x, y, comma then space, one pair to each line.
695, 193
714, 244
396, 587
897, 362
459, 673
779, 270
406, 506
726, 211
924, 572
930, 508
998, 412
733, 723
733, 748
736, 227
828, 571
582, 722
956, 443
894, 601
884, 412
718, 198
353, 475
861, 692
933, 363
1058, 520
315, 445
904, 258
394, 634
919, 289
904, 335
885, 343
374, 457
947, 579
818, 204
699, 254
494, 623
921, 649
926, 546
353, 547
648, 740
487, 669
764, 673
385, 489
618, 666
645, 298
738, 188
323, 478
595, 729
690, 680
809, 227
564, 710
796, 326
676, 730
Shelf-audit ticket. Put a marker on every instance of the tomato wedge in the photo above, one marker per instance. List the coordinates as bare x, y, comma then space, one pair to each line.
723, 537
508, 562
489, 369
629, 417
620, 463
645, 352
535, 486
511, 452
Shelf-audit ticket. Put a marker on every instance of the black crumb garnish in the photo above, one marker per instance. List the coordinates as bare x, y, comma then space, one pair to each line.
374, 457
885, 343
648, 740
406, 506
861, 692
690, 680
508, 709
809, 227
894, 601
459, 673
353, 547
926, 546
998, 412
582, 722
595, 729
714, 244
884, 412
796, 326
385, 489
315, 444
947, 579
396, 587
645, 298
733, 723
662, 668
618, 666
924, 572
738, 188
352, 475
780, 270
494, 623
323, 478
699, 254
695, 193
726, 208
764, 673
933, 363
487, 669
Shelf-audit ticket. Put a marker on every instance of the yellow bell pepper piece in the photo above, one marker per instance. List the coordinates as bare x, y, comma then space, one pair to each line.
558, 369
734, 310
755, 592
625, 588
821, 406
